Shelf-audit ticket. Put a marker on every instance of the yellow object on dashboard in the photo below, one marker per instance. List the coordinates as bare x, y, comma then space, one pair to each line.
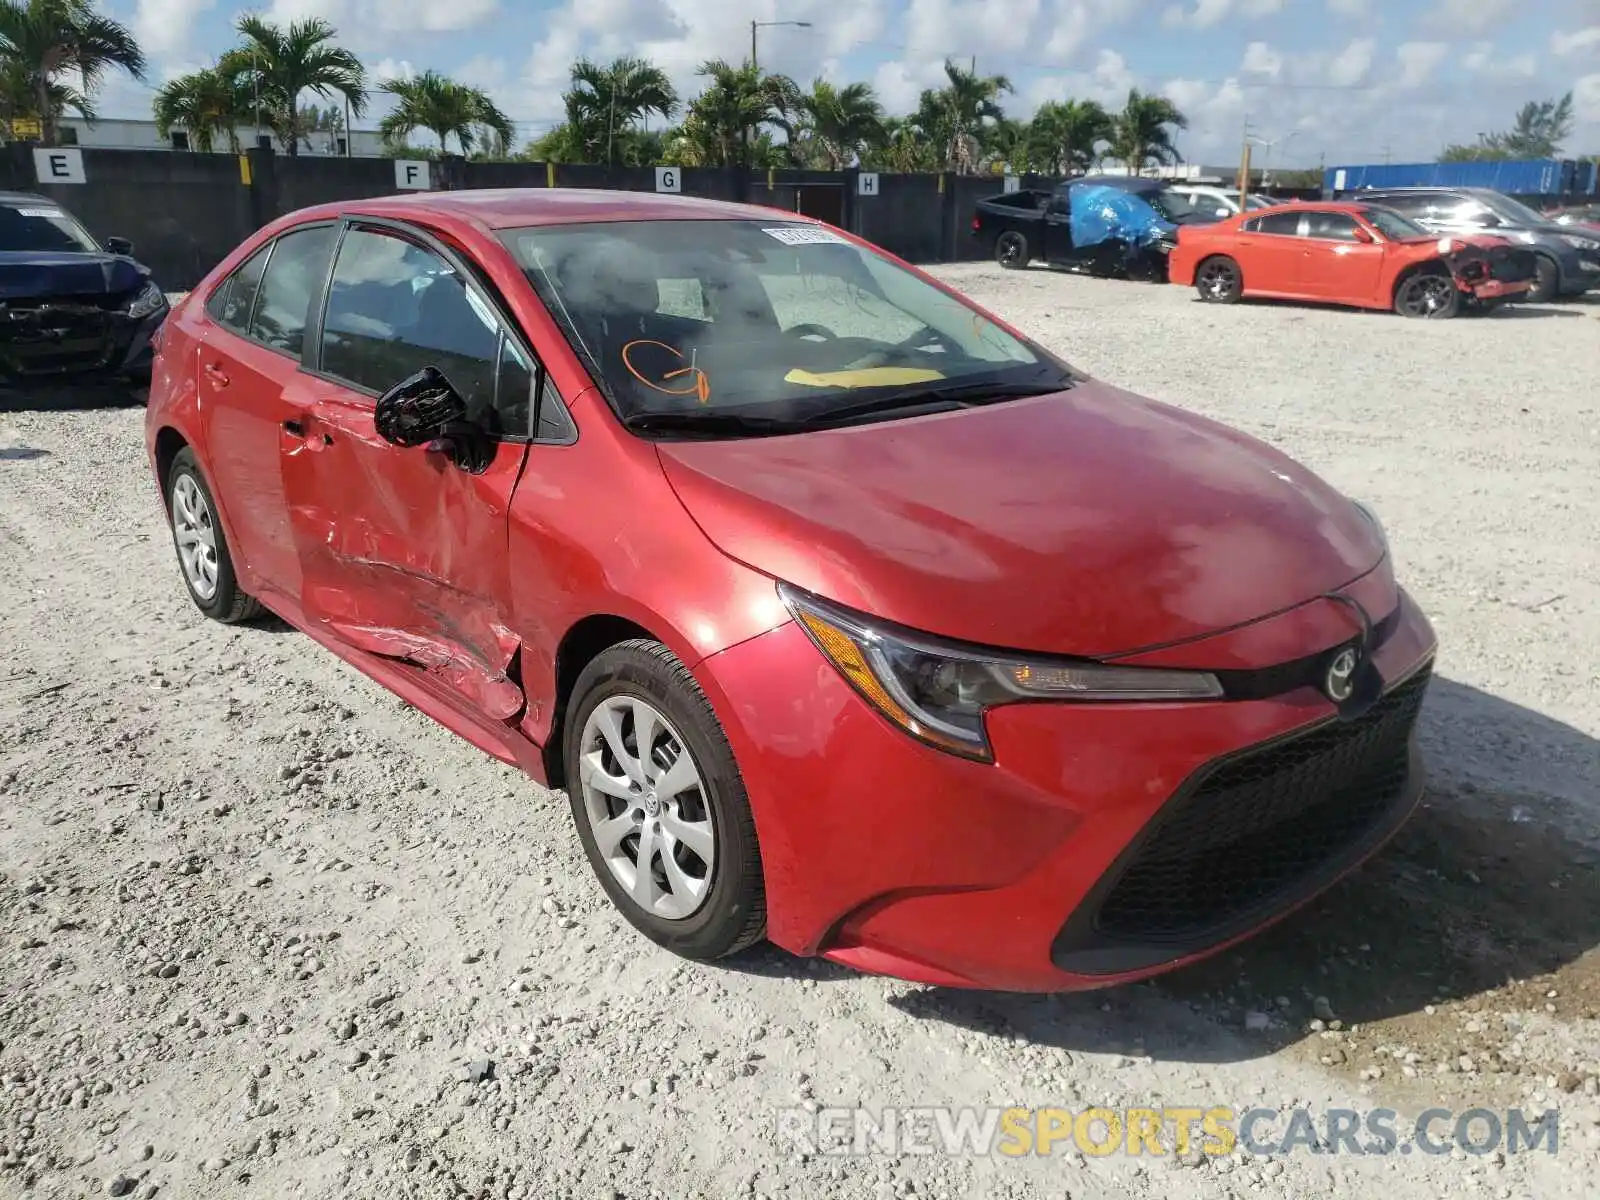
864, 377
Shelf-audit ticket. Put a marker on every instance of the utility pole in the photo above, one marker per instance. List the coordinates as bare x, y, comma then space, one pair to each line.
1244, 161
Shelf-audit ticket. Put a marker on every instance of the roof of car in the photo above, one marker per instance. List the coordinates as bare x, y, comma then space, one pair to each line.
501, 208
1128, 183
24, 198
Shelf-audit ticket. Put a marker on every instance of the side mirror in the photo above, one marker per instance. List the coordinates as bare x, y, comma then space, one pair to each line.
1364, 234
1488, 220
425, 410
117, 245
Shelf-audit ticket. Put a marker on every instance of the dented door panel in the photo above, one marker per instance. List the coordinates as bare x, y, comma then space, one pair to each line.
402, 553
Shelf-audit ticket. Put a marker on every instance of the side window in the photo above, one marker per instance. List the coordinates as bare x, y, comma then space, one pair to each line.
1409, 206
513, 399
234, 299
555, 423
1285, 224
1331, 227
295, 272
395, 307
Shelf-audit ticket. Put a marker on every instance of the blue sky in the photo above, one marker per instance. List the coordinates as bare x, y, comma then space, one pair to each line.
1351, 80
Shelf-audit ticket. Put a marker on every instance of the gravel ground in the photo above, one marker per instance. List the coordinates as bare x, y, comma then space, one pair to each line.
266, 931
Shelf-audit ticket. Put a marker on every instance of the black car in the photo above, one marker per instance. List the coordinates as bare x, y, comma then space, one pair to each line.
71, 310
1567, 258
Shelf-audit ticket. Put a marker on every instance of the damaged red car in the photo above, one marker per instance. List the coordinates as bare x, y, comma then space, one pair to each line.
846, 615
1358, 255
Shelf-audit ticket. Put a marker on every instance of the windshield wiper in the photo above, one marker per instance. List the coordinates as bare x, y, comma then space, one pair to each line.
966, 394
708, 423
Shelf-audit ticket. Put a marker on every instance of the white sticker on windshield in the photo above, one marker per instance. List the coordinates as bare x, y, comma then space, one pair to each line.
47, 213
805, 235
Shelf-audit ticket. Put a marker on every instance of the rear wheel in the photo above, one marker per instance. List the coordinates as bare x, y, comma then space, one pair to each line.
1011, 250
203, 555
1546, 281
1218, 280
1427, 295
660, 805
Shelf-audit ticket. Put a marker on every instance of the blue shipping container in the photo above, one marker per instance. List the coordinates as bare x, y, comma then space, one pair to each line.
1539, 177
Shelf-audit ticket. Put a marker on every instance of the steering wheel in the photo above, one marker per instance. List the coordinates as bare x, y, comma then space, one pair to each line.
811, 331
927, 337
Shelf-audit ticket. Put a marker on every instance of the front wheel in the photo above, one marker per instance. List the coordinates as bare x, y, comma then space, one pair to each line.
660, 806
1546, 281
1427, 295
1011, 250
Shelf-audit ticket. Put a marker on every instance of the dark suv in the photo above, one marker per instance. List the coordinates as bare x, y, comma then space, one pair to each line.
1568, 258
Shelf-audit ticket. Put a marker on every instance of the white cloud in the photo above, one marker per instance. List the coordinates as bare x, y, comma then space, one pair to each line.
1350, 65
1419, 60
1580, 42
1207, 13
1261, 59
1586, 101
164, 27
368, 20
1474, 16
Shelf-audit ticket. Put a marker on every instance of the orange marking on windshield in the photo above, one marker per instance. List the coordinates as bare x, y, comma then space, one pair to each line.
699, 384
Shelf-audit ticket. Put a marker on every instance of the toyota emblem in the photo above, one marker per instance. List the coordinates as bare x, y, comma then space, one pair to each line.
1339, 682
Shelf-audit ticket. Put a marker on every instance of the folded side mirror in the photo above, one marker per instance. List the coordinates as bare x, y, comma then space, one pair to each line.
425, 410
117, 245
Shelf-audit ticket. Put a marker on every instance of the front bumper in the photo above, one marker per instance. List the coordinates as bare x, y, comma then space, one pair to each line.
76, 342
1048, 870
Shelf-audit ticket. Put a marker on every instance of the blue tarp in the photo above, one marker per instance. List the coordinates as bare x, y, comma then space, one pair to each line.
1101, 213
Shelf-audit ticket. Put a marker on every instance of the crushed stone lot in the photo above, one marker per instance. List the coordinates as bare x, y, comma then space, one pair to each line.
267, 931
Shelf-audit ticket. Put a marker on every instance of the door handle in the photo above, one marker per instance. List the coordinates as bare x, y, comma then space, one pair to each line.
295, 427
217, 374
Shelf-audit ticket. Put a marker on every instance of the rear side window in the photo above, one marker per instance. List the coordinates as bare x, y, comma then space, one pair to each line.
296, 270
1409, 206
1283, 224
231, 303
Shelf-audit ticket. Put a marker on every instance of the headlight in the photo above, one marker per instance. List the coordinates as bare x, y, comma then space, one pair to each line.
939, 693
1579, 243
149, 299
1377, 525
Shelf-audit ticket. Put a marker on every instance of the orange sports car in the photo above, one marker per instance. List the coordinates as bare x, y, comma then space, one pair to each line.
1354, 254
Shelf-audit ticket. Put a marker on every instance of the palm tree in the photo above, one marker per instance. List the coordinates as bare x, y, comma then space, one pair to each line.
1068, 136
276, 65
439, 104
842, 122
906, 148
734, 107
1143, 131
41, 40
606, 102
962, 114
205, 103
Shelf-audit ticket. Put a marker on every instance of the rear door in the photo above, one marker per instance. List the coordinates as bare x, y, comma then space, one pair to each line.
249, 369
403, 552
1269, 251
1057, 228
1337, 266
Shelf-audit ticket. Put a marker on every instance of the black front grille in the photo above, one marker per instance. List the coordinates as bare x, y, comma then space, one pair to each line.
1255, 826
53, 337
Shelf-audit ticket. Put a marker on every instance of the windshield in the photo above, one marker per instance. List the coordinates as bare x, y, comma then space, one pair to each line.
1392, 225
43, 226
767, 320
1257, 201
1511, 210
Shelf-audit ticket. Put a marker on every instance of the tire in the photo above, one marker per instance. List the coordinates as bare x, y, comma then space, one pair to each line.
1429, 295
1218, 280
1546, 281
192, 511
727, 912
1011, 250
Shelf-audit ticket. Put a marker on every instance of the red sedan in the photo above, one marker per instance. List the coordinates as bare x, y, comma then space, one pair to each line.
1353, 254
845, 614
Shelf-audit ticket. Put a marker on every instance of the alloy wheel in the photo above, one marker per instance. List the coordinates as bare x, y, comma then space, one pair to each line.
1216, 280
645, 802
1427, 295
195, 530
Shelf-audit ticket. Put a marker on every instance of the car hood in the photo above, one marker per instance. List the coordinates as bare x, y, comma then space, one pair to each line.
1089, 522
1483, 241
31, 274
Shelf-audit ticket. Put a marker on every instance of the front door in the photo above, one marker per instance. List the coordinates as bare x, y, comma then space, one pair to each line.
403, 552
1338, 265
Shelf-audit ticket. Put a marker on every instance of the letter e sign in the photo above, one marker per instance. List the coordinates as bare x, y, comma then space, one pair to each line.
668, 179
58, 166
411, 175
